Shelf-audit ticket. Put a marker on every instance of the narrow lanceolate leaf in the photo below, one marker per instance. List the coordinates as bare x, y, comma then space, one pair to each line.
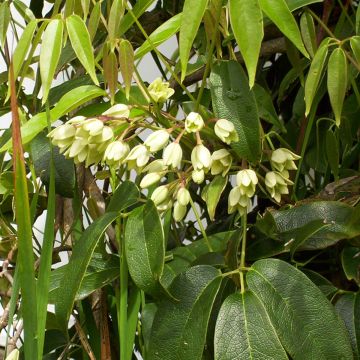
80, 41
308, 33
314, 75
161, 34
357, 21
186, 319
280, 15
332, 152
4, 21
145, 247
50, 54
247, 24
126, 60
94, 19
116, 14
351, 263
337, 82
296, 308
244, 331
111, 71
213, 194
233, 100
79, 261
193, 12
355, 47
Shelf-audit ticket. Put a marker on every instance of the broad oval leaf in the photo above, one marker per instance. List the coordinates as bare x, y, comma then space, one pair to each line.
280, 14
314, 75
145, 247
186, 319
164, 32
247, 23
337, 81
244, 331
125, 195
193, 12
126, 61
233, 100
81, 43
303, 318
50, 54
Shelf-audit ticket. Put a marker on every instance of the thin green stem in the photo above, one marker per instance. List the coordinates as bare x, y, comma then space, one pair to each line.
323, 25
243, 252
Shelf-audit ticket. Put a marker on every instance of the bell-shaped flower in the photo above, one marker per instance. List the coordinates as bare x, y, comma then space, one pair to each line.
179, 211
93, 156
92, 127
276, 185
161, 199
283, 159
172, 155
150, 179
118, 111
225, 131
198, 176
194, 122
183, 196
155, 166
201, 158
221, 162
160, 91
62, 136
246, 181
116, 153
238, 201
138, 157
157, 140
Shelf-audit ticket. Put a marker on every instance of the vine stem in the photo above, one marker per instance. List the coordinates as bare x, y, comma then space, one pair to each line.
243, 252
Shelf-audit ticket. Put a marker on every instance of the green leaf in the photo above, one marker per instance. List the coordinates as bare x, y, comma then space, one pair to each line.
213, 193
280, 14
357, 21
314, 75
193, 12
326, 287
4, 21
126, 61
355, 47
164, 32
116, 14
50, 54
297, 4
111, 71
308, 33
247, 23
145, 247
78, 263
348, 307
233, 100
187, 319
81, 43
337, 81
350, 261
297, 308
244, 331
125, 195
332, 152
94, 19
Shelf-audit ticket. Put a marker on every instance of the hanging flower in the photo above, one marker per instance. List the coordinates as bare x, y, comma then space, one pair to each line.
246, 181
225, 131
157, 140
221, 162
194, 122
172, 155
277, 185
283, 159
160, 91
116, 153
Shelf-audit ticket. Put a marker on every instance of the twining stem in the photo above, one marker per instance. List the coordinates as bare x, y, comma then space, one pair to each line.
243, 251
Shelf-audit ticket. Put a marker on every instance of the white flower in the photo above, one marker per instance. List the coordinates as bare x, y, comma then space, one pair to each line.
201, 158
150, 179
198, 176
104, 136
160, 197
116, 153
246, 181
221, 162
283, 159
172, 155
238, 201
194, 122
157, 140
93, 156
160, 91
92, 126
138, 157
179, 211
225, 131
183, 196
118, 111
277, 185
62, 136
155, 166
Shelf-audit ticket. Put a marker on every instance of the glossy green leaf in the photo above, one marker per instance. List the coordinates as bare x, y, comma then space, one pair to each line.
355, 47
296, 307
186, 319
297, 4
81, 43
350, 259
145, 247
126, 61
50, 54
314, 75
213, 194
94, 19
332, 152
125, 195
337, 81
326, 287
78, 263
357, 21
233, 100
115, 16
193, 12
24, 10
348, 307
247, 23
244, 331
280, 14
4, 21
111, 70
308, 33
164, 32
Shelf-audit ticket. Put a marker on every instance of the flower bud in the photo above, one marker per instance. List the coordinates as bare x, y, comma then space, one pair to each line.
283, 159
225, 131
160, 91
150, 179
116, 152
118, 111
172, 155
198, 176
183, 196
155, 166
221, 162
201, 158
157, 140
194, 122
276, 185
179, 211
92, 126
138, 157
238, 201
62, 136
160, 195
247, 180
